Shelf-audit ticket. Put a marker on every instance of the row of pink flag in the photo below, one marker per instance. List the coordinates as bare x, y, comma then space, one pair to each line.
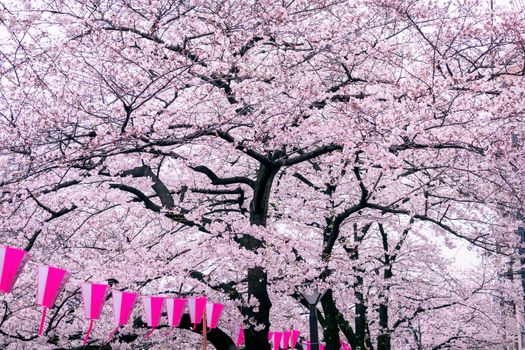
283, 340
52, 280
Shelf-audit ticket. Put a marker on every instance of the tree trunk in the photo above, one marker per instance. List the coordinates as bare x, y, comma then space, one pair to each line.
257, 288
331, 329
360, 314
261, 194
384, 338
257, 277
360, 307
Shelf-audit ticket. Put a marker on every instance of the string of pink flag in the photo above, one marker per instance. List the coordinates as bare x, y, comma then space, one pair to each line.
52, 280
122, 308
93, 296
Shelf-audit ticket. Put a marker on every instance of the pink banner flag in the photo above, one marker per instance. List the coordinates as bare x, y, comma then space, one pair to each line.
50, 282
93, 296
196, 306
123, 303
213, 314
153, 311
294, 338
285, 340
12, 261
175, 308
276, 340
239, 336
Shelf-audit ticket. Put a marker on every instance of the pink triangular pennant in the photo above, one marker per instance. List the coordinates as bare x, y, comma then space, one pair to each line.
294, 338
12, 262
123, 303
153, 311
276, 340
285, 340
213, 314
50, 282
93, 296
175, 308
196, 307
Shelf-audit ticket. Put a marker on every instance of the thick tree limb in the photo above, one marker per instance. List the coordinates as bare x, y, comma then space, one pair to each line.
309, 155
215, 180
139, 194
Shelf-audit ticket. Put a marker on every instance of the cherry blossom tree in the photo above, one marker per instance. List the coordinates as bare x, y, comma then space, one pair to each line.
250, 149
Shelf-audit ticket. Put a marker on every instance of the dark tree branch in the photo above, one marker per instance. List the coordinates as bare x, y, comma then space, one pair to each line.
418, 311
309, 155
474, 241
334, 228
158, 186
215, 180
408, 145
139, 194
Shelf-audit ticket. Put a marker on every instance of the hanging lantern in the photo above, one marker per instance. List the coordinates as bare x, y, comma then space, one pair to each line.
294, 338
276, 340
93, 296
12, 261
153, 311
50, 282
285, 340
213, 313
239, 336
123, 303
175, 310
196, 306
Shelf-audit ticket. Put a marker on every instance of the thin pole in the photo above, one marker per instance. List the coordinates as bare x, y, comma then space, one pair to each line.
314, 338
204, 330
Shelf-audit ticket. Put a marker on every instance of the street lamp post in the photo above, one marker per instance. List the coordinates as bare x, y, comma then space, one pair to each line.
312, 300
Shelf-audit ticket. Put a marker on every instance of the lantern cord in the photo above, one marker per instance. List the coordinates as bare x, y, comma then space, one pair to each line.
42, 322
149, 333
88, 331
112, 334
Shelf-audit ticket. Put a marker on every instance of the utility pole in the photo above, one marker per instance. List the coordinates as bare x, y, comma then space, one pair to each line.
205, 326
204, 331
